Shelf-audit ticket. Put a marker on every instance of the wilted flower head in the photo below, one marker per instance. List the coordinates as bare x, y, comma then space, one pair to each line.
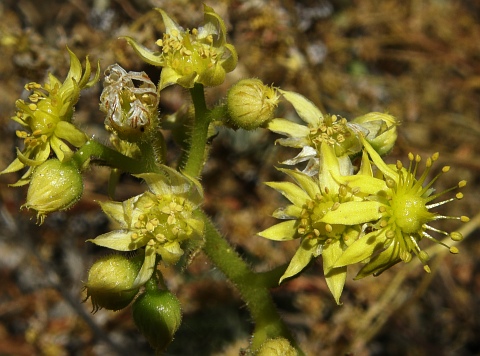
191, 56
329, 129
404, 205
325, 214
159, 220
47, 119
130, 100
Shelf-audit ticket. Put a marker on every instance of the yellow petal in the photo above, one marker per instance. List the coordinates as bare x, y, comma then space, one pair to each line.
283, 231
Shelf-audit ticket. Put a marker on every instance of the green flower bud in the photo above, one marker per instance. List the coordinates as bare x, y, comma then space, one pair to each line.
54, 186
276, 347
110, 280
250, 103
157, 314
382, 130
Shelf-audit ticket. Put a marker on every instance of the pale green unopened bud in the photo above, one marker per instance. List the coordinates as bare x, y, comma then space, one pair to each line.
54, 186
110, 280
250, 103
158, 315
382, 130
276, 347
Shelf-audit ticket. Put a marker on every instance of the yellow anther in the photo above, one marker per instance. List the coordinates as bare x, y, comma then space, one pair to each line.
454, 250
423, 256
149, 226
456, 236
328, 228
390, 234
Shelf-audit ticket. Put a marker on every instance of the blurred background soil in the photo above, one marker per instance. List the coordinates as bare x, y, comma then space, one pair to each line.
417, 60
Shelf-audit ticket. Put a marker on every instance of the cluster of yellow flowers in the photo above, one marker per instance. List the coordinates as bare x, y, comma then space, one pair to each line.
377, 215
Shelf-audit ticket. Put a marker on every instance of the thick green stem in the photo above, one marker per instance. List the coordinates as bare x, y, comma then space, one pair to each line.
104, 155
197, 150
252, 287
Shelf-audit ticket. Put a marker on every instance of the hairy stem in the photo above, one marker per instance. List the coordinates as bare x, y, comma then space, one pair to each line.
197, 150
103, 155
253, 287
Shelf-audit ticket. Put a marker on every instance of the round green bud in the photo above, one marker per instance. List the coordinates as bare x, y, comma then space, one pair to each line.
250, 103
382, 130
276, 347
158, 315
54, 186
110, 280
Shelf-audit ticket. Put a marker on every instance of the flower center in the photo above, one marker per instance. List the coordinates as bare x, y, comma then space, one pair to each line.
334, 132
187, 53
310, 225
165, 221
410, 212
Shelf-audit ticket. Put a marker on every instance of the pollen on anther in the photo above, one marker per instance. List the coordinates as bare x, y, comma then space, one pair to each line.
462, 183
328, 228
456, 236
454, 250
445, 169
464, 218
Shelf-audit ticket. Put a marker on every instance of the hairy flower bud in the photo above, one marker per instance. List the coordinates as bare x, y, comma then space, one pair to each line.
250, 103
382, 130
110, 282
158, 315
276, 347
54, 186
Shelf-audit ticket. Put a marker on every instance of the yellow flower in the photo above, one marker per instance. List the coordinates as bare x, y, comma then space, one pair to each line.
159, 220
325, 214
47, 119
405, 216
331, 129
188, 57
